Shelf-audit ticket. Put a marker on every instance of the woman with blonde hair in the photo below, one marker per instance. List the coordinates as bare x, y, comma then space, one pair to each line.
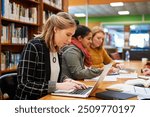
39, 66
99, 56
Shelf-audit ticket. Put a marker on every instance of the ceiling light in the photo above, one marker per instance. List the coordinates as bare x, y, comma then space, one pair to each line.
79, 14
123, 12
114, 4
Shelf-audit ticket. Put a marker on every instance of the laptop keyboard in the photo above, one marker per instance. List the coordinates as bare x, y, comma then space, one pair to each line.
81, 91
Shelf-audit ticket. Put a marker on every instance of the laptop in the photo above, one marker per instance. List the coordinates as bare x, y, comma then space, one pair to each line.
84, 93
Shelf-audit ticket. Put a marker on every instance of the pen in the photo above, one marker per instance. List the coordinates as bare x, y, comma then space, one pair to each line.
113, 74
146, 99
113, 89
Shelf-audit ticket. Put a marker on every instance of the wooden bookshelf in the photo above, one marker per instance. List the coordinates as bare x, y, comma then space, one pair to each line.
25, 17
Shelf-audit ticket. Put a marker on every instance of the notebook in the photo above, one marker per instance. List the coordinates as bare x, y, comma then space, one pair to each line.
114, 95
85, 92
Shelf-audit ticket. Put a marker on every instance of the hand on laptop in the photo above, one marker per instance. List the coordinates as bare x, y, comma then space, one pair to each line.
113, 71
81, 85
120, 66
70, 84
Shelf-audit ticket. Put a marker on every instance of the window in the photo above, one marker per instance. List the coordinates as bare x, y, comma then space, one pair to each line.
139, 35
114, 35
139, 40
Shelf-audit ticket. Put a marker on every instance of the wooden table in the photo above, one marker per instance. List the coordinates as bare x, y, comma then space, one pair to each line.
132, 64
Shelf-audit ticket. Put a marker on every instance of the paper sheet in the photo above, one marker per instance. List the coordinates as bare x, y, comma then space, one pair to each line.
144, 77
107, 78
132, 75
119, 61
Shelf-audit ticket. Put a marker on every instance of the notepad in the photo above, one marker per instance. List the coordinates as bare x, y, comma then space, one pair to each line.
114, 95
129, 75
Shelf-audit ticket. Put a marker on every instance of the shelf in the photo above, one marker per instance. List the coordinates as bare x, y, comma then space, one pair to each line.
27, 2
17, 21
8, 44
15, 48
32, 1
51, 8
8, 70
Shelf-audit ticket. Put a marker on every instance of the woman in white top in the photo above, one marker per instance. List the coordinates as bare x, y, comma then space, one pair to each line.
39, 67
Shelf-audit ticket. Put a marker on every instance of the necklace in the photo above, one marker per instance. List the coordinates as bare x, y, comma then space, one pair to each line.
54, 59
53, 56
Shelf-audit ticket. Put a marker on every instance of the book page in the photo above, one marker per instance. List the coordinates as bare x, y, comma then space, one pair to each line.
140, 91
135, 82
144, 77
146, 83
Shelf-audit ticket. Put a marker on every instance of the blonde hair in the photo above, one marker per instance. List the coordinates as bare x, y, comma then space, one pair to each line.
61, 20
95, 30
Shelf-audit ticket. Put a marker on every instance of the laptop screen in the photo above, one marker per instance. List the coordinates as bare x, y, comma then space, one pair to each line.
101, 77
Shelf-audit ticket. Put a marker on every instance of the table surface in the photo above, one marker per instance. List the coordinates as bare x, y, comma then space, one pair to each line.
137, 65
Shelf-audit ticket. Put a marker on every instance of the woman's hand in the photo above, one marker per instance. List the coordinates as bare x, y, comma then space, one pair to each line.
113, 70
120, 65
76, 82
70, 84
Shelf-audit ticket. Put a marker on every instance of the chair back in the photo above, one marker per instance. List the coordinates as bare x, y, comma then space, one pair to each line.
8, 84
115, 56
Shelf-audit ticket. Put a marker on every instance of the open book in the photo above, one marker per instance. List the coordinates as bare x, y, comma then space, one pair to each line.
142, 92
144, 77
138, 82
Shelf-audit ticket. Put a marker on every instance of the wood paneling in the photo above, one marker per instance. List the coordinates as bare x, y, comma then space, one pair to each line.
65, 5
92, 24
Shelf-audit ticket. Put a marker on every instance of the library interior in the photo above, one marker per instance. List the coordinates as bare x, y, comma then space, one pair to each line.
127, 38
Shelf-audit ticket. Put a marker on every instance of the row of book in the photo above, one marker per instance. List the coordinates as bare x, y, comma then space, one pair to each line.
54, 3
18, 35
9, 60
46, 15
16, 11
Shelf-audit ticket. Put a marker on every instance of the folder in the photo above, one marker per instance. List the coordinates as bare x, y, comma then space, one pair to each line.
114, 95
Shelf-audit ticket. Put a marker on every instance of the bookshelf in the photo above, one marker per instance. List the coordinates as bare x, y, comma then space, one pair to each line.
19, 21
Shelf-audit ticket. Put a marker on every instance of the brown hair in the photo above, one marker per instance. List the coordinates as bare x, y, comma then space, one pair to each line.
61, 20
96, 30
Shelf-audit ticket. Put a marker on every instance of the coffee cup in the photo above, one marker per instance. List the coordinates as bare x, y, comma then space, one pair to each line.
144, 60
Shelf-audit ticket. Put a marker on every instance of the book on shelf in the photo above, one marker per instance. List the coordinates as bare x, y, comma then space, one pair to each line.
4, 34
54, 3
46, 15
3, 61
16, 11
9, 60
19, 35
